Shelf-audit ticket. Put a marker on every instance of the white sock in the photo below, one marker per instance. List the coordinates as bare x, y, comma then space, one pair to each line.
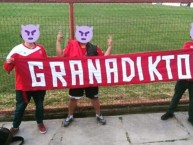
70, 116
98, 115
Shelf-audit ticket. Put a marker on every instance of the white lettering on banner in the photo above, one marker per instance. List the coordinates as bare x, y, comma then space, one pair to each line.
124, 68
94, 71
139, 68
34, 75
152, 68
58, 75
76, 72
168, 66
186, 59
111, 70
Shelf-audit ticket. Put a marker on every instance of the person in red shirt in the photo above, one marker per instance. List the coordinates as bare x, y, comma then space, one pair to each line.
26, 50
180, 87
78, 48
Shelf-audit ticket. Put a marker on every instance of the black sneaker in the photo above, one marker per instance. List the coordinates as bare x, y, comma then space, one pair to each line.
191, 121
101, 119
67, 121
167, 115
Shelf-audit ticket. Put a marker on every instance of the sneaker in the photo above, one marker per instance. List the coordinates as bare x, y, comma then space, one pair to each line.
14, 130
191, 121
167, 115
101, 119
67, 121
42, 128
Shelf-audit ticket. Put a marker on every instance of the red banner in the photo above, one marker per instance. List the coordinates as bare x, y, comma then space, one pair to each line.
138, 68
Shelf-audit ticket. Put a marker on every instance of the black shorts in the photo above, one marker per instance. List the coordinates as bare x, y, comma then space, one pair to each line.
90, 92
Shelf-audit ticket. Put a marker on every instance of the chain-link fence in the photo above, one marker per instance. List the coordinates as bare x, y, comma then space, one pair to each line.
135, 27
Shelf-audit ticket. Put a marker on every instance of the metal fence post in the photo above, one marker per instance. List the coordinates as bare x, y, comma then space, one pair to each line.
71, 20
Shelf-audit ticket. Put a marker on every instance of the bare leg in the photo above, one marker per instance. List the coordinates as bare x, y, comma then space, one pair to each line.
96, 105
71, 109
72, 105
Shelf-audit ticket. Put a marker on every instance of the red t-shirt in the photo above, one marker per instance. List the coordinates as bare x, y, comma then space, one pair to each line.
21, 51
188, 45
73, 49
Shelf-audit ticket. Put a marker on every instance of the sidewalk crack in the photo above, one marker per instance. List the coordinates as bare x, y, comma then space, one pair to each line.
126, 133
56, 139
181, 124
121, 119
174, 140
127, 136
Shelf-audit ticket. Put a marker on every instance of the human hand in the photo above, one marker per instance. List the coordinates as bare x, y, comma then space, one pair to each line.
109, 44
59, 36
10, 60
110, 41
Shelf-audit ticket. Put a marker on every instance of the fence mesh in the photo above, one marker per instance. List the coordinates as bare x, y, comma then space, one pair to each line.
134, 27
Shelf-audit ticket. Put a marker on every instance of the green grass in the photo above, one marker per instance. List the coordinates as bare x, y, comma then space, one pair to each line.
135, 28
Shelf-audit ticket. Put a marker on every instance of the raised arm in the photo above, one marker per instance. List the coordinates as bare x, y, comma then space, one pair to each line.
109, 44
59, 51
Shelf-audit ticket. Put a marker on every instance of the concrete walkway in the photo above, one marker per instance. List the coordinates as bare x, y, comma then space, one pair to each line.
131, 129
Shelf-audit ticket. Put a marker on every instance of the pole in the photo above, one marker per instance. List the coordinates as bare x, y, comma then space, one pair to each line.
71, 20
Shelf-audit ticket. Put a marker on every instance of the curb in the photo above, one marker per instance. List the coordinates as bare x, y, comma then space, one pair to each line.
88, 111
